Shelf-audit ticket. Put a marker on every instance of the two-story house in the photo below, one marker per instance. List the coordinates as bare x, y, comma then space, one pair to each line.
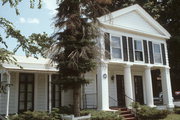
133, 67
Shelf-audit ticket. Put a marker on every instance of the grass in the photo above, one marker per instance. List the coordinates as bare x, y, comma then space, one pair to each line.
172, 117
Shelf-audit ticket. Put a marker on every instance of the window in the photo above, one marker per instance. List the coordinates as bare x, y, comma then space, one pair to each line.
26, 92
116, 47
157, 53
138, 50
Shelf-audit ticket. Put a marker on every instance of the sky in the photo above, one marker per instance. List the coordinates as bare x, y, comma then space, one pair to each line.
30, 20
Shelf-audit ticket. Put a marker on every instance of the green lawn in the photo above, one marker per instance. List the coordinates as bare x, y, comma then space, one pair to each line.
173, 117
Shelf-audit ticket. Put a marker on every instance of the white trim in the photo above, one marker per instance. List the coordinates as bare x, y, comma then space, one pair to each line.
122, 55
50, 99
141, 12
157, 43
143, 61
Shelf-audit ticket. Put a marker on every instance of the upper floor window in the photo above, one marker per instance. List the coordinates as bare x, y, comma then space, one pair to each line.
116, 47
138, 50
157, 53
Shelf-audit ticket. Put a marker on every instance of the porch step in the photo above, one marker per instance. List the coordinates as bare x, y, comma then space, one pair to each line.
126, 113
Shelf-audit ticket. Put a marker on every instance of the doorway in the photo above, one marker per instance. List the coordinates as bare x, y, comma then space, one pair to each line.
138, 87
120, 90
26, 92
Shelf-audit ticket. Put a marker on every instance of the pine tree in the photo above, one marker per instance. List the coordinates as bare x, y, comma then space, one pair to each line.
76, 50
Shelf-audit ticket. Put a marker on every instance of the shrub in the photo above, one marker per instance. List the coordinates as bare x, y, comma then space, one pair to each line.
177, 109
66, 110
102, 115
31, 116
146, 113
35, 115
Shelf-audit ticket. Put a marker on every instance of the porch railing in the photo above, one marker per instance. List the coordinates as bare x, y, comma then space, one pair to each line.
90, 101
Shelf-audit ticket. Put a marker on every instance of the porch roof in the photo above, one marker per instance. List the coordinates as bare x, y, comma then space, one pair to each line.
31, 64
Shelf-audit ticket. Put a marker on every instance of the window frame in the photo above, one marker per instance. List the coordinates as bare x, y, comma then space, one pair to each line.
121, 47
153, 43
136, 39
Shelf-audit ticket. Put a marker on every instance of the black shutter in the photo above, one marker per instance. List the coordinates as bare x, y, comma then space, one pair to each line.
163, 53
131, 55
145, 51
125, 51
107, 45
151, 52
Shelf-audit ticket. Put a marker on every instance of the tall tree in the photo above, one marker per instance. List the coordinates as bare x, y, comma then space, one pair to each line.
32, 45
76, 50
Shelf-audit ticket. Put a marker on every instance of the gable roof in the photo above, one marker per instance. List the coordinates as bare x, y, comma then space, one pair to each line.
124, 16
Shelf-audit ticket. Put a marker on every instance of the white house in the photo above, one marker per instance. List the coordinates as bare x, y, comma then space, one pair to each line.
134, 67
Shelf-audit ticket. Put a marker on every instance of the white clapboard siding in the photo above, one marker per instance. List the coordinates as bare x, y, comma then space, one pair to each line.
90, 91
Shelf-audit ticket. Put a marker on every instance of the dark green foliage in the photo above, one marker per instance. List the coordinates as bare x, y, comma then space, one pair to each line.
147, 113
102, 115
177, 109
66, 110
76, 50
34, 116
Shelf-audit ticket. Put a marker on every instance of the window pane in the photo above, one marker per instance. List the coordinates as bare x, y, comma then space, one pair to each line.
156, 48
30, 87
116, 42
138, 45
22, 96
57, 103
116, 53
21, 106
22, 87
29, 105
29, 96
139, 56
157, 58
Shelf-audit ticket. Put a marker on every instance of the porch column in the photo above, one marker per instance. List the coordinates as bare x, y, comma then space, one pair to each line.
50, 104
166, 86
103, 92
128, 85
8, 93
149, 89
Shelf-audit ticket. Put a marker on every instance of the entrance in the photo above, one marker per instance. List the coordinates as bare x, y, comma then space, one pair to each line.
120, 90
26, 92
138, 86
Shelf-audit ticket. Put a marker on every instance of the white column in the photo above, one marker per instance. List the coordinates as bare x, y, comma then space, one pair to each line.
8, 93
50, 104
128, 85
103, 92
148, 85
166, 86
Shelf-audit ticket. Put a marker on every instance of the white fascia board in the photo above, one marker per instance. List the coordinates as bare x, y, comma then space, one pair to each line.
139, 10
133, 30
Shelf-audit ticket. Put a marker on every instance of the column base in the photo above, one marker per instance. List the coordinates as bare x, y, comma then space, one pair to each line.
152, 106
170, 106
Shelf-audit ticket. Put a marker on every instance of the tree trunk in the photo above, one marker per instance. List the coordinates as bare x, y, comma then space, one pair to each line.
76, 99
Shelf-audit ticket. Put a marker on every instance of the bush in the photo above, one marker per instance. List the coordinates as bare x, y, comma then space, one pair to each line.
177, 109
102, 115
29, 115
147, 113
66, 110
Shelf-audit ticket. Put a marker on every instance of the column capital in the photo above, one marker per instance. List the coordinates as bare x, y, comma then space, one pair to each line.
128, 65
148, 66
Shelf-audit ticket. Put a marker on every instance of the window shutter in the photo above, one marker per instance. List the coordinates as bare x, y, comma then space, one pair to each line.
145, 51
125, 51
131, 55
163, 53
107, 45
151, 52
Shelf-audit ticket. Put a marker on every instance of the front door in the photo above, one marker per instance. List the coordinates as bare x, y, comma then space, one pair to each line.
120, 90
26, 92
138, 86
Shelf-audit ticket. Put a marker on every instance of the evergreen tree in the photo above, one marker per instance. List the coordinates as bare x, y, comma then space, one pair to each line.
76, 49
